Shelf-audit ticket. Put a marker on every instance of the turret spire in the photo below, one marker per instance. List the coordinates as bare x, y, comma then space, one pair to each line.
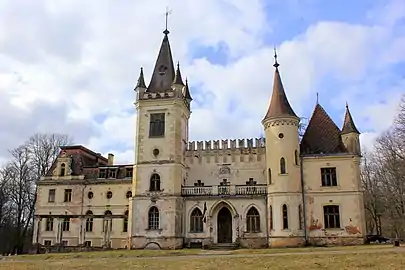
279, 105
177, 77
141, 80
187, 94
348, 124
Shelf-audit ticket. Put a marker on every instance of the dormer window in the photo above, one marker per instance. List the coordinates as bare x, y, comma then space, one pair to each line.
112, 173
62, 169
102, 173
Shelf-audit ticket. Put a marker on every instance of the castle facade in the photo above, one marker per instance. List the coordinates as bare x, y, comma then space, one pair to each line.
274, 191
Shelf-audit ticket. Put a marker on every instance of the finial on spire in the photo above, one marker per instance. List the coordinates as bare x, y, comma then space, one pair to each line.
276, 64
167, 13
317, 98
347, 105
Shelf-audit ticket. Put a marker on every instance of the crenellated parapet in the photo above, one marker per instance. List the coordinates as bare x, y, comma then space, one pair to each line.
156, 95
245, 150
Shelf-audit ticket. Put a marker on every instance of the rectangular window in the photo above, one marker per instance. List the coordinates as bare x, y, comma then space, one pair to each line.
128, 173
65, 243
51, 195
68, 195
87, 243
112, 173
328, 176
66, 224
157, 125
47, 243
49, 224
331, 216
102, 173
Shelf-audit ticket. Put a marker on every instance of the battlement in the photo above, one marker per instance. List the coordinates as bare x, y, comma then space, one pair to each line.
226, 144
159, 95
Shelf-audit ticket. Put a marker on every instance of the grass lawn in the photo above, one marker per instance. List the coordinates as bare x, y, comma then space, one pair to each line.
358, 258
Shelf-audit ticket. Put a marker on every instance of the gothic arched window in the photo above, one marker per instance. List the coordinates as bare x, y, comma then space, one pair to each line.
153, 218
107, 221
253, 220
282, 166
154, 182
196, 221
89, 221
285, 217
271, 217
296, 157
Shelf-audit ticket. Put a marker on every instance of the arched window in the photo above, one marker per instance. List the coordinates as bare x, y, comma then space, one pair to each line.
107, 220
285, 217
196, 221
271, 217
154, 182
300, 217
269, 175
89, 221
153, 218
282, 166
253, 220
125, 223
62, 169
296, 157
129, 194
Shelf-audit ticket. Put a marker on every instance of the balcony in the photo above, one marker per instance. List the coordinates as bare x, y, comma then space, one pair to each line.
230, 190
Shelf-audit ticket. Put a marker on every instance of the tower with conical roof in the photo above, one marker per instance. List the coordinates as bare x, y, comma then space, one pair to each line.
163, 112
283, 166
350, 134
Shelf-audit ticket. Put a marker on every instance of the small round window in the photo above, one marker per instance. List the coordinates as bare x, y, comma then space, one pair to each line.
90, 195
129, 194
155, 152
281, 135
109, 195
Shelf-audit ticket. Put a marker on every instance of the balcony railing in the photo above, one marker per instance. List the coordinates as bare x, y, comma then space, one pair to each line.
224, 190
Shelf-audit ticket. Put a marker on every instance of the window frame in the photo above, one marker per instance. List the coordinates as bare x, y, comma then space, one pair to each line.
153, 218
157, 125
329, 177
253, 220
333, 216
196, 221
67, 196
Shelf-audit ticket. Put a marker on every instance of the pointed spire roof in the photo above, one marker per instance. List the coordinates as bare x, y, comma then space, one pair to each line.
348, 123
322, 135
163, 73
187, 94
177, 77
279, 105
141, 80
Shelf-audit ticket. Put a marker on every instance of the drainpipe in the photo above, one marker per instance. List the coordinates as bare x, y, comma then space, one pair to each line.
304, 207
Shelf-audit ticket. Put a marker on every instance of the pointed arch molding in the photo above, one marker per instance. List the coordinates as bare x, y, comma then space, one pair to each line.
258, 208
192, 208
219, 204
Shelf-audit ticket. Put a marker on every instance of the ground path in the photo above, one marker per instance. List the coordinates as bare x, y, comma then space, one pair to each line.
221, 254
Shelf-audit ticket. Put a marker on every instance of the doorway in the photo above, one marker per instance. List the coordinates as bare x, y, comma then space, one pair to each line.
224, 225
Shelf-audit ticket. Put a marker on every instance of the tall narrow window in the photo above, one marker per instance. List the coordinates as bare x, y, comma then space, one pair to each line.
285, 217
89, 221
196, 221
300, 217
153, 218
253, 220
125, 222
269, 175
68, 195
296, 157
282, 166
271, 217
62, 169
154, 182
329, 178
66, 224
157, 125
49, 224
331, 216
107, 221
51, 195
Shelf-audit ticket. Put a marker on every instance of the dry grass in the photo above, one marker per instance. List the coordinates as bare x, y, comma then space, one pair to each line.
385, 258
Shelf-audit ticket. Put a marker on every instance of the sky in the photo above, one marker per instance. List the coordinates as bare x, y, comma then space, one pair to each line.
70, 66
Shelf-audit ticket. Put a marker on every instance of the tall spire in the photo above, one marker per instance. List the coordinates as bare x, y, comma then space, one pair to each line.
163, 73
348, 123
177, 77
141, 80
187, 94
279, 105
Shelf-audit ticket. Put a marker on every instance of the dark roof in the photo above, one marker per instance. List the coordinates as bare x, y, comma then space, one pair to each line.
177, 77
187, 94
322, 135
348, 123
163, 73
279, 105
141, 80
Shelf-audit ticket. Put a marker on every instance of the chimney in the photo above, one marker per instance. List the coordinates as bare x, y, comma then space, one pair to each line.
110, 159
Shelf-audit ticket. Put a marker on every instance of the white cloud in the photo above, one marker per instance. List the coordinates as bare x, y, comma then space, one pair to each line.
62, 63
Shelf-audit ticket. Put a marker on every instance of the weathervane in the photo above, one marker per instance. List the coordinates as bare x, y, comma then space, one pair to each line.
276, 64
167, 13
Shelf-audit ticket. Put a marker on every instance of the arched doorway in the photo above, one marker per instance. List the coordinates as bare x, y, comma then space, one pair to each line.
224, 225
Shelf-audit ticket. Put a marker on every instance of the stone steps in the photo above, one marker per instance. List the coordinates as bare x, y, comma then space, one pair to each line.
223, 246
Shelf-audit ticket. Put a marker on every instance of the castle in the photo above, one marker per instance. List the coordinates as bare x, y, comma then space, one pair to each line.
275, 191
